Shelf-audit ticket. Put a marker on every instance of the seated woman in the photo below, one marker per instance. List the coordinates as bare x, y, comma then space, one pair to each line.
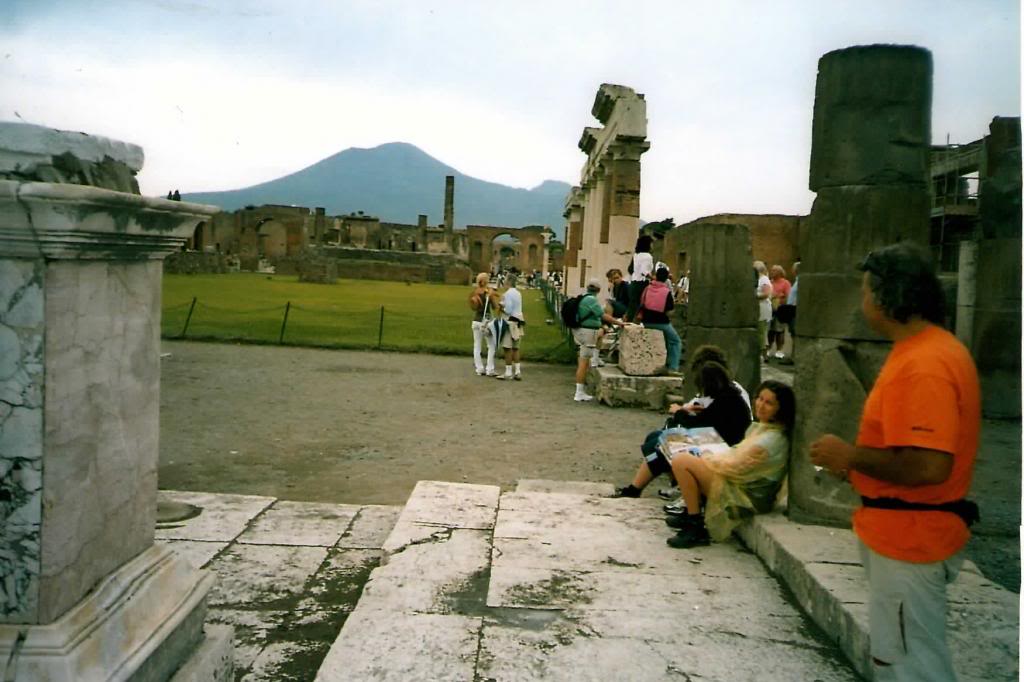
655, 305
727, 413
741, 482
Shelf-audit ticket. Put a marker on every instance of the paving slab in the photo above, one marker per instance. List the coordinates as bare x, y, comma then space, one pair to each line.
223, 518
263, 574
541, 485
371, 527
403, 647
300, 523
434, 507
429, 577
821, 566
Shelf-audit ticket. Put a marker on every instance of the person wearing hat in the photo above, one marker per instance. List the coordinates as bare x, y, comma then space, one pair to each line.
590, 316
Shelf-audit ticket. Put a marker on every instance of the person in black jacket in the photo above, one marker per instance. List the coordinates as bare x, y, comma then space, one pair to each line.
728, 413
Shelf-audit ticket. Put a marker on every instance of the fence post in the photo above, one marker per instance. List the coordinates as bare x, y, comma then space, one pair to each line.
284, 322
188, 318
380, 328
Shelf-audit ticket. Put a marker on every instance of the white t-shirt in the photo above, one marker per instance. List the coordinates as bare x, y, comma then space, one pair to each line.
764, 304
643, 265
512, 303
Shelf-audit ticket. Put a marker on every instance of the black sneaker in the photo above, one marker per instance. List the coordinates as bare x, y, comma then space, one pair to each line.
695, 536
627, 491
682, 521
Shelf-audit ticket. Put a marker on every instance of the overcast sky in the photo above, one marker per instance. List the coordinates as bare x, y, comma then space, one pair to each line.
224, 94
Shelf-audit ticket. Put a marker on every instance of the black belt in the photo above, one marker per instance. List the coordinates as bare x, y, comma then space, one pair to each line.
965, 509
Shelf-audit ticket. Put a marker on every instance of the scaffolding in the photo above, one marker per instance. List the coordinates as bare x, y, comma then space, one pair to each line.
955, 183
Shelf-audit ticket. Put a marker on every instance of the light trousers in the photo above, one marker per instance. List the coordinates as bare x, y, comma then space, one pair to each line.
479, 338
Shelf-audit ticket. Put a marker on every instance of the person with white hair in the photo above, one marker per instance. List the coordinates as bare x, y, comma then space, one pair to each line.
590, 315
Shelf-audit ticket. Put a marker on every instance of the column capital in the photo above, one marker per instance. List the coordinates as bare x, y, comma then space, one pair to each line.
628, 148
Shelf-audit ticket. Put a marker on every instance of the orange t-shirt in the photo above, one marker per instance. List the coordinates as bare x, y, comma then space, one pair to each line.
926, 396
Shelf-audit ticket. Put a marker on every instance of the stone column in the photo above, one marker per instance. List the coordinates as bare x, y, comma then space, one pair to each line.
319, 224
869, 165
574, 225
449, 202
84, 592
723, 307
997, 313
609, 193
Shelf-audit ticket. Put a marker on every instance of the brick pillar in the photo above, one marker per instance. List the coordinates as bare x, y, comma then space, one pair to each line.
319, 225
449, 202
869, 165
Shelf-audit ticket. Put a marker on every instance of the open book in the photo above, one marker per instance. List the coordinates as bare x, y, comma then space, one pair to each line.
698, 441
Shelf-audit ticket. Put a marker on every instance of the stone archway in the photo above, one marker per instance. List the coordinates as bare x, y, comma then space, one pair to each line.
528, 256
273, 239
198, 240
505, 252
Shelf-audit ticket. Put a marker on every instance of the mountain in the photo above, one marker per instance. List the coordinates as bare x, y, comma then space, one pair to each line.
396, 182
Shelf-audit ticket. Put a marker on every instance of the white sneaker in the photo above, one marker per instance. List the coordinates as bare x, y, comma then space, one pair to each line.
598, 362
479, 372
582, 397
779, 355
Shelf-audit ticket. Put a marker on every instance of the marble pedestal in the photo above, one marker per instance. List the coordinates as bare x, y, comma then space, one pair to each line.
84, 594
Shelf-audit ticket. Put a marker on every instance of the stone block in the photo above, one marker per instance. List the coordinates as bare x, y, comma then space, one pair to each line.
848, 222
996, 350
611, 386
641, 351
1000, 190
721, 276
742, 348
834, 379
872, 117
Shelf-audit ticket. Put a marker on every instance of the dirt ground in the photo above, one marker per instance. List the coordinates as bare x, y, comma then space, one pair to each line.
361, 427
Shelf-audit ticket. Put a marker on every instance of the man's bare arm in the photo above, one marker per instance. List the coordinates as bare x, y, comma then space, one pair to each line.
903, 466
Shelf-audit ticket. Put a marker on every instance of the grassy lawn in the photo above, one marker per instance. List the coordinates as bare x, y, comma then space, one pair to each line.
430, 318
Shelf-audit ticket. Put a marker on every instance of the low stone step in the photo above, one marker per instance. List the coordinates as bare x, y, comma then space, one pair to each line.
822, 568
539, 485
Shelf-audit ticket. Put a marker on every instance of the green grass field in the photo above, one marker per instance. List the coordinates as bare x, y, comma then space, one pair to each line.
431, 318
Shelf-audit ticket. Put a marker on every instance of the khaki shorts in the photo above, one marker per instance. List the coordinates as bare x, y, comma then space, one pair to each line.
510, 341
587, 341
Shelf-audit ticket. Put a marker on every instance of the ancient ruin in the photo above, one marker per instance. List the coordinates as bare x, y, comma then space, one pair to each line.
869, 165
361, 246
86, 594
603, 211
722, 309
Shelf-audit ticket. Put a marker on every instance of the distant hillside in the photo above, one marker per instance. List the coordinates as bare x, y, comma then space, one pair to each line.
396, 182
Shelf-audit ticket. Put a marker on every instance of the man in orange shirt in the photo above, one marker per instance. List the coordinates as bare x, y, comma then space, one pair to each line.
911, 464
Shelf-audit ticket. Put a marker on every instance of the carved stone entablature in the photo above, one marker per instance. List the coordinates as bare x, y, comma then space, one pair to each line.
573, 200
607, 97
39, 219
588, 139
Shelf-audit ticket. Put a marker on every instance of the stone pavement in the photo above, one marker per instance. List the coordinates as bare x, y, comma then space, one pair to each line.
539, 585
552, 581
288, 573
